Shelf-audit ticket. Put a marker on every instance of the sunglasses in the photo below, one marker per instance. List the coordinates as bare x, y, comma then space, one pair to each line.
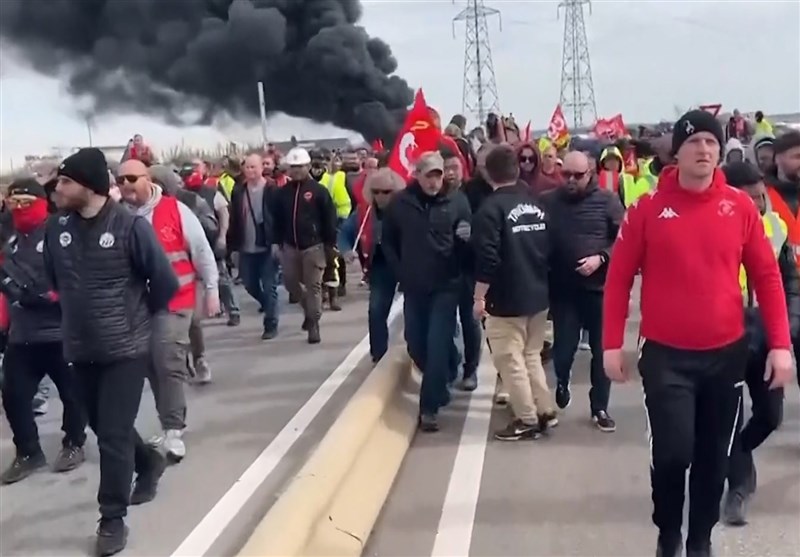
576, 175
382, 192
17, 203
130, 178
527, 159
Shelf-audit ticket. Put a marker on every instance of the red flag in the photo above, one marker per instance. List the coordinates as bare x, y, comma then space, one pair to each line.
377, 146
418, 135
557, 131
612, 128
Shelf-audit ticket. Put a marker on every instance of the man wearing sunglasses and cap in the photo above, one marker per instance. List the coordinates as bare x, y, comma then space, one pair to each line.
584, 220
34, 347
112, 276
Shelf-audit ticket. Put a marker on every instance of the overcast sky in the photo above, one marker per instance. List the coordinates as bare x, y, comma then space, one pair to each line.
648, 59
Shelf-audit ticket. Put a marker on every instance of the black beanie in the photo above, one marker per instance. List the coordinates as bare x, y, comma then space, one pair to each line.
693, 122
27, 186
741, 174
89, 168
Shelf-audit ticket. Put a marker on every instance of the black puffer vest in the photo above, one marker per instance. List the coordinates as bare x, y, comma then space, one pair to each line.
104, 306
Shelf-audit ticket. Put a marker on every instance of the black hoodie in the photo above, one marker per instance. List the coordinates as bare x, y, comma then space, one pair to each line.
419, 240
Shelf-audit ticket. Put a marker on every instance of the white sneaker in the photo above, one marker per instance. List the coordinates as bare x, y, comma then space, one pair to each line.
202, 372
584, 346
173, 444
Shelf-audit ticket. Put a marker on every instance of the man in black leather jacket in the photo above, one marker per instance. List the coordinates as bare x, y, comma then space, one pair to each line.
767, 404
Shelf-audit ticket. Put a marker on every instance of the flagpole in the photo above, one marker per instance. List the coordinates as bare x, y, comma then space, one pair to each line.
361, 228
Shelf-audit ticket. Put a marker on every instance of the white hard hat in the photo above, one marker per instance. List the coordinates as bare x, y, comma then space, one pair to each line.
297, 157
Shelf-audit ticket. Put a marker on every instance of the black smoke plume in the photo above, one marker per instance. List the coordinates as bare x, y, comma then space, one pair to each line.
167, 58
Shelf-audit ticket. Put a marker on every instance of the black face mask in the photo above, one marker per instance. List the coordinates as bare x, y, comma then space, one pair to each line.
350, 167
317, 171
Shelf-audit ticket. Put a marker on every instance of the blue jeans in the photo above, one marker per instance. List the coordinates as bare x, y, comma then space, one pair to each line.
259, 273
430, 323
470, 328
382, 287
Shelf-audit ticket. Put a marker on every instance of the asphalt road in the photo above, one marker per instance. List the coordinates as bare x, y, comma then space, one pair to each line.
579, 492
269, 404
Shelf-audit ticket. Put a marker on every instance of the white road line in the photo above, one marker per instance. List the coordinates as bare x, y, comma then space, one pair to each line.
454, 535
200, 540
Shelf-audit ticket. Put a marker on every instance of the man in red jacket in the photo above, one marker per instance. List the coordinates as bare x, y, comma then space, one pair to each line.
690, 238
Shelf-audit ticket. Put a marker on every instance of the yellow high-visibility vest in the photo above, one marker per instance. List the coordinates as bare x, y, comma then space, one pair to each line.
639, 187
777, 232
336, 185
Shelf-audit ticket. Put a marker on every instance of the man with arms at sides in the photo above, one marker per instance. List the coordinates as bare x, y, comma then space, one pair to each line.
693, 349
111, 276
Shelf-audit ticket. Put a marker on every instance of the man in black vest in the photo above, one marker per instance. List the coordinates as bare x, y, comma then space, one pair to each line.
34, 348
111, 275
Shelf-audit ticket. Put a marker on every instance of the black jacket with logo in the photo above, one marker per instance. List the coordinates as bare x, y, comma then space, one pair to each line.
580, 226
304, 215
511, 242
419, 239
111, 274
34, 315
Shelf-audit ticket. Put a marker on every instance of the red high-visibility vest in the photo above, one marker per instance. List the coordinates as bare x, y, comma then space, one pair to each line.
608, 180
169, 230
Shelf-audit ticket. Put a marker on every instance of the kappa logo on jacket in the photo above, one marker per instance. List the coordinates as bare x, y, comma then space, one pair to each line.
668, 213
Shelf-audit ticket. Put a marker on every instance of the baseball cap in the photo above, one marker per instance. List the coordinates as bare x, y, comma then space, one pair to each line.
429, 162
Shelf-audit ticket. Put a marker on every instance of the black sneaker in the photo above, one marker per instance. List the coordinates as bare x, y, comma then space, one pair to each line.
563, 395
313, 333
146, 485
22, 467
669, 546
293, 300
429, 423
734, 509
547, 421
40, 406
469, 383
234, 320
68, 459
704, 551
112, 537
604, 422
269, 334
306, 324
517, 430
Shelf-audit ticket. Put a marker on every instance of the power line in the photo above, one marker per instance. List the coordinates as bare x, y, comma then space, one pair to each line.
577, 88
480, 87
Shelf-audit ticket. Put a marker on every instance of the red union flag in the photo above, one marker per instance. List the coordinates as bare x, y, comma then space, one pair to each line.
611, 128
557, 131
418, 135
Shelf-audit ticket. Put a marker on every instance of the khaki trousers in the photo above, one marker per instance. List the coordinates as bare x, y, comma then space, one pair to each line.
302, 276
516, 350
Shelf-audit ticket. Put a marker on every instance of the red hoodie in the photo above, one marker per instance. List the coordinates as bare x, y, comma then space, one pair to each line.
689, 247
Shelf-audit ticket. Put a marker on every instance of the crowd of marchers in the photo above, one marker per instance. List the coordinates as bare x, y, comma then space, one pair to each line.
525, 248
